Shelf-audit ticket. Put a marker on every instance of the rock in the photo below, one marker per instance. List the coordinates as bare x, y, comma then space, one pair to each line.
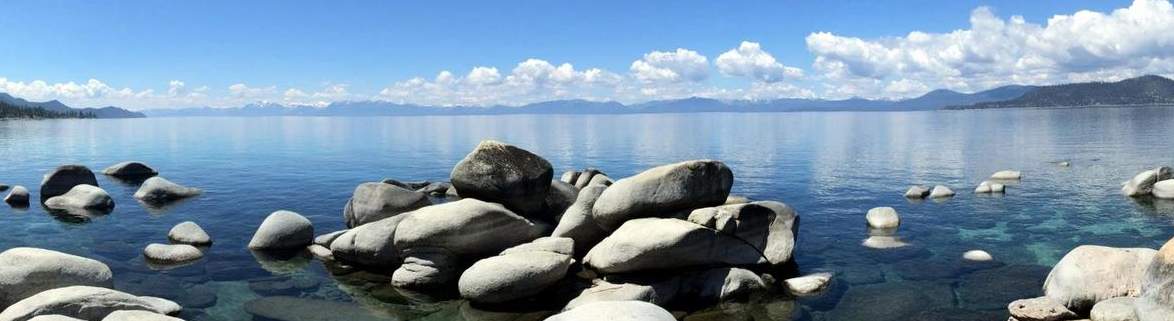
615, 311
1164, 189
585, 177
504, 174
172, 253
578, 224
376, 201
84, 302
320, 252
1156, 302
26, 271
1040, 309
17, 197
998, 188
977, 256
560, 197
662, 191
286, 308
426, 268
883, 217
1143, 183
698, 288
438, 188
130, 170
54, 317
569, 177
1064, 164
370, 244
883, 242
158, 190
82, 197
1089, 274
733, 199
808, 284
138, 315
941, 191
917, 192
326, 239
513, 275
1007, 175
189, 233
560, 245
989, 187
600, 179
283, 230
1115, 309
763, 233
64, 178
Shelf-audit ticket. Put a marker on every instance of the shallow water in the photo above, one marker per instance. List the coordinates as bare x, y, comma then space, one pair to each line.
831, 167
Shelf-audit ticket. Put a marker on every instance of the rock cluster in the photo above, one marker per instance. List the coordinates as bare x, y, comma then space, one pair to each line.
1143, 183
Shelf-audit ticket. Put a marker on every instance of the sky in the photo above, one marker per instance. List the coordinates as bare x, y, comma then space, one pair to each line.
170, 54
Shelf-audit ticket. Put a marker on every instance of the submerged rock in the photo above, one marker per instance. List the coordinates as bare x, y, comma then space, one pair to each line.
172, 253
17, 197
615, 311
504, 174
376, 201
883, 217
1089, 274
283, 230
138, 315
158, 190
1143, 183
64, 178
977, 256
26, 271
578, 224
130, 170
941, 191
84, 302
82, 197
1156, 302
189, 233
1040, 309
917, 192
662, 191
808, 284
1007, 175
287, 308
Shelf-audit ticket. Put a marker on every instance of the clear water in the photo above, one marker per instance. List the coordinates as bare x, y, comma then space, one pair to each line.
831, 167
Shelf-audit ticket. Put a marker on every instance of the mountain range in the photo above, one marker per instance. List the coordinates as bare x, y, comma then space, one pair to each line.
58, 107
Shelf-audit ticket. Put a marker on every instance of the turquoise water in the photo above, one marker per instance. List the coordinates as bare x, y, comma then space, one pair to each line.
831, 167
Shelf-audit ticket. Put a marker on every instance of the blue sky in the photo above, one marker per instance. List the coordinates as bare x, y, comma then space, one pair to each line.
153, 54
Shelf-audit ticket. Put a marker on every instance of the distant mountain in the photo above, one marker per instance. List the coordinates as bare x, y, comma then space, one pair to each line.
9, 111
58, 107
1144, 90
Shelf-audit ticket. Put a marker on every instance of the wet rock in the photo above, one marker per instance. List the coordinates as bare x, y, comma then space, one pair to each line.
27, 271
64, 178
189, 233
1164, 189
172, 253
1156, 302
883, 217
130, 169
84, 302
917, 192
138, 315
664, 190
370, 244
328, 238
1089, 274
615, 311
504, 174
977, 255
1007, 175
1115, 309
82, 197
517, 273
320, 252
1143, 183
469, 228
376, 201
808, 284
578, 224
283, 230
17, 197
158, 190
989, 187
941, 191
1040, 309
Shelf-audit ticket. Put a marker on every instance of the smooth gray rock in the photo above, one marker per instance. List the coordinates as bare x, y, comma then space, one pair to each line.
585, 177
1115, 309
283, 230
138, 315
130, 169
615, 311
808, 285
1164, 189
376, 201
17, 197
285, 308
172, 253
1039, 309
54, 317
321, 252
512, 276
82, 197
917, 192
25, 271
1143, 183
326, 239
1156, 302
883, 217
158, 190
560, 197
560, 245
699, 288
941, 191
569, 177
84, 302
436, 188
189, 233
600, 179
1089, 274
768, 226
578, 224
977, 256
426, 268
64, 178
371, 244
1007, 175
504, 174
664, 190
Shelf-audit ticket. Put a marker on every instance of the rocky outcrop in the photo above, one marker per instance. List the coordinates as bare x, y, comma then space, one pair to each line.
1156, 302
917, 192
82, 198
697, 288
504, 174
662, 191
376, 201
578, 224
158, 190
84, 302
17, 197
519, 272
26, 271
64, 178
1115, 309
283, 230
1143, 183
130, 169
189, 233
1089, 274
370, 244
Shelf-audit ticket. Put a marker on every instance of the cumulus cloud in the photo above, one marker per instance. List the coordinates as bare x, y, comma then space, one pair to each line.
749, 60
531, 80
673, 66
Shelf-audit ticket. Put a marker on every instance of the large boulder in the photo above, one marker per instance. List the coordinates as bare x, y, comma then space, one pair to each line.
615, 311
283, 230
138, 315
1089, 274
25, 271
1007, 175
1156, 302
517, 273
84, 302
82, 198
504, 174
664, 190
883, 218
130, 169
1115, 309
578, 224
189, 233
158, 190
64, 178
371, 244
1143, 183
376, 201
560, 197
1164, 189
740, 234
17, 197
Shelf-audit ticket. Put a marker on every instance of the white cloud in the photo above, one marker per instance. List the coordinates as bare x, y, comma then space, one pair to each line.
749, 60
529, 81
676, 66
483, 76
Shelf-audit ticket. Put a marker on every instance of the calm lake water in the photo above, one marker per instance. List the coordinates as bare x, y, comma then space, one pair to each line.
831, 167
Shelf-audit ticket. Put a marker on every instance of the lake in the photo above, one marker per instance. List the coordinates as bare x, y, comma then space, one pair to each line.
830, 167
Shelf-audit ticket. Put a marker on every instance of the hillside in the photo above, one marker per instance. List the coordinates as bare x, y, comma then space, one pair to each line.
9, 111
1140, 91
56, 107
